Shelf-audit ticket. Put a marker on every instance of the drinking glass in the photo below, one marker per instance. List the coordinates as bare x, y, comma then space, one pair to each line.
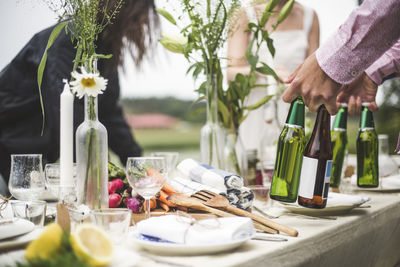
146, 175
115, 222
171, 159
52, 177
34, 211
26, 176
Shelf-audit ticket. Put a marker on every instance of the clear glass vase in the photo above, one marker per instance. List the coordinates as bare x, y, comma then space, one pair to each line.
212, 134
235, 155
92, 158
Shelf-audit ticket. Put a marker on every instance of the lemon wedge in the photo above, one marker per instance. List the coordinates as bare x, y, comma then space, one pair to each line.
91, 244
46, 245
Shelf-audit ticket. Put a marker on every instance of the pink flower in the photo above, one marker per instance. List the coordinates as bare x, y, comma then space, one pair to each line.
114, 200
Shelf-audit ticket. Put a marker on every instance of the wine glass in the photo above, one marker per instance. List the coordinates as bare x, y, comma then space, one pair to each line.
147, 176
26, 176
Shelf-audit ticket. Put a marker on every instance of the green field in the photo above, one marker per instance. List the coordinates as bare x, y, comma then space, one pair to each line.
185, 139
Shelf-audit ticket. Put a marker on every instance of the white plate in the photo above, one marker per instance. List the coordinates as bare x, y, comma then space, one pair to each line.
19, 241
183, 249
337, 203
14, 227
386, 184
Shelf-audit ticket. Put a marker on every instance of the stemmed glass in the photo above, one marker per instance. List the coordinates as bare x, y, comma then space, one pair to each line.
26, 176
147, 176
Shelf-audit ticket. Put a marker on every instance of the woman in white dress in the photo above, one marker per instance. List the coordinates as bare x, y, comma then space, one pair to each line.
294, 39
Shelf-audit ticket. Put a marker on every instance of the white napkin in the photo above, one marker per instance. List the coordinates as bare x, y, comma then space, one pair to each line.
338, 199
178, 229
188, 187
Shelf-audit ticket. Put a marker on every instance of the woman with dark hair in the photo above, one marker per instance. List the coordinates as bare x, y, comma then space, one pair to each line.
20, 111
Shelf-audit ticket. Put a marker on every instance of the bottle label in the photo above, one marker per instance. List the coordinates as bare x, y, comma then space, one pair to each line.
308, 178
366, 129
339, 129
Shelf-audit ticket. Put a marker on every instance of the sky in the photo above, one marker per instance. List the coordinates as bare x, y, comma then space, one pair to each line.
165, 73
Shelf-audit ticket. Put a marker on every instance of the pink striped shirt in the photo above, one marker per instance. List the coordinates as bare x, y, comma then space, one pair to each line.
367, 41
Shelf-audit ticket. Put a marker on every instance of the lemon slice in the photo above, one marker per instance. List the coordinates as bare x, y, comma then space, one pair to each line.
46, 245
91, 244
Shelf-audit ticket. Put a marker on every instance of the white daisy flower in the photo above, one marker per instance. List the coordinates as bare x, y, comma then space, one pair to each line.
88, 83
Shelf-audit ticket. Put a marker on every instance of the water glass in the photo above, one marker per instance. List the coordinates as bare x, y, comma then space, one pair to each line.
146, 175
34, 211
78, 215
26, 176
171, 159
115, 222
52, 177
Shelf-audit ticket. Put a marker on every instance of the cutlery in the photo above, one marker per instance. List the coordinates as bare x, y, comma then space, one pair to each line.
193, 203
211, 199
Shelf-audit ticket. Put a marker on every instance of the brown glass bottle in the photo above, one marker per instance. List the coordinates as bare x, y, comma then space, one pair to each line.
317, 164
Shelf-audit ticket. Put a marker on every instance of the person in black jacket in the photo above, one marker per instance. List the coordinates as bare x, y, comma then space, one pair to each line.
20, 110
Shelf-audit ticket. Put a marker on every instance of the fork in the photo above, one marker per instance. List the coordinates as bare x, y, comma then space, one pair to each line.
211, 199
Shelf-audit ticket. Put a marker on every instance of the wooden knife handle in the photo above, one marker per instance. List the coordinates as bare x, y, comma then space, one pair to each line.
264, 221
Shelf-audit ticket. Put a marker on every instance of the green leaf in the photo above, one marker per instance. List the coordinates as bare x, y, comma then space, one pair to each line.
252, 59
53, 36
265, 69
264, 18
270, 5
102, 56
166, 15
271, 48
224, 112
259, 103
284, 13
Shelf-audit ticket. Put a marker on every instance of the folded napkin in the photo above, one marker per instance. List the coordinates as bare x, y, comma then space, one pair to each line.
185, 230
210, 176
203, 177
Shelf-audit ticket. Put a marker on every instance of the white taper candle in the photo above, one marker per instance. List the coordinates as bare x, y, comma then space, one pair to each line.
66, 136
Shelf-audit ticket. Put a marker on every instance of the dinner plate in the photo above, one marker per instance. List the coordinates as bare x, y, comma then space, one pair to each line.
337, 203
164, 247
19, 241
14, 227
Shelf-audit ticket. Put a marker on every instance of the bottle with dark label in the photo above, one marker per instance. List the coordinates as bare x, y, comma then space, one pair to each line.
339, 144
367, 151
285, 181
317, 164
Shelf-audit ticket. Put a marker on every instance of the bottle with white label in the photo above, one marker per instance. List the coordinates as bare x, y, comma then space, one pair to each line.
317, 164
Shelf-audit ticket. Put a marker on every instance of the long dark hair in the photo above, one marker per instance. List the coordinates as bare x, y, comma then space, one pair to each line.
134, 30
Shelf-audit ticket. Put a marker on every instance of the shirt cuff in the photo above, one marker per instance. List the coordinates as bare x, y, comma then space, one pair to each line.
333, 58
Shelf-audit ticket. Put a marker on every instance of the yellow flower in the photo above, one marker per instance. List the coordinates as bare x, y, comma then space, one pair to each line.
88, 83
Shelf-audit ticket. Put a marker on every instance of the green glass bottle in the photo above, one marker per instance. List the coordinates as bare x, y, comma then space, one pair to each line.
285, 182
339, 144
367, 151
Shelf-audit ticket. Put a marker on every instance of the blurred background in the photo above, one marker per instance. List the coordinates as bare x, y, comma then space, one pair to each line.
158, 99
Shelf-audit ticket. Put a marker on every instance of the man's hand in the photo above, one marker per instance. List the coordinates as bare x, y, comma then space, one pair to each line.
316, 88
362, 89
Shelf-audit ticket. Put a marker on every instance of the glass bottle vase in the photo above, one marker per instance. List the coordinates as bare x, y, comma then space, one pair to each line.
212, 134
234, 154
92, 158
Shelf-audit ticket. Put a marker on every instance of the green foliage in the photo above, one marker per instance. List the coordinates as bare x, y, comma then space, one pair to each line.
182, 109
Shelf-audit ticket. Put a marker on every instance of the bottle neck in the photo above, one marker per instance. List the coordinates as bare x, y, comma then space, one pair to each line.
367, 119
91, 108
340, 122
296, 113
320, 139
